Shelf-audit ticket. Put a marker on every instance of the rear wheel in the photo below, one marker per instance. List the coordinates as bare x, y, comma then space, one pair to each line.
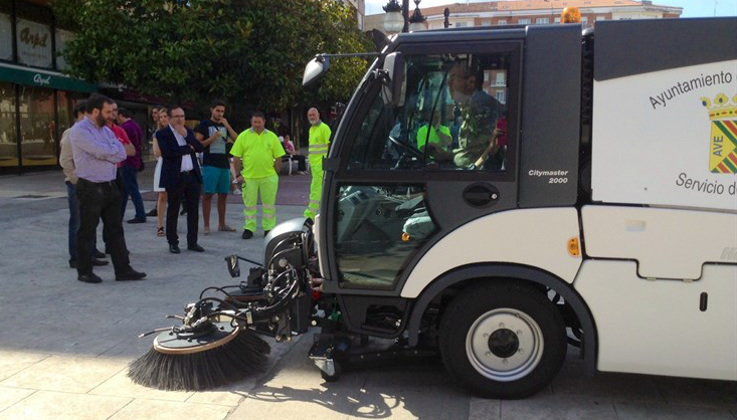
502, 340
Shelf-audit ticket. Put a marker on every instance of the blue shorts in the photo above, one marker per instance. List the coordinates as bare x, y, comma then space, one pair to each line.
215, 180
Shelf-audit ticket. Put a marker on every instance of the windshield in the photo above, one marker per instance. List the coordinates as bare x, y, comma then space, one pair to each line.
452, 116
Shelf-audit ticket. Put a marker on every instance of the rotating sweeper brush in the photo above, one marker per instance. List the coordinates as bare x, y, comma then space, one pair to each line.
218, 339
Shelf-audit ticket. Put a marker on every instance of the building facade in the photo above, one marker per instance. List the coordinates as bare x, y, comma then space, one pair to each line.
359, 7
36, 99
525, 12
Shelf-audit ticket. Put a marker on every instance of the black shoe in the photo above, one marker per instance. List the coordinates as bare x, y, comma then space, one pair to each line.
247, 234
137, 220
152, 213
266, 232
183, 212
130, 275
98, 263
174, 249
195, 247
98, 254
89, 278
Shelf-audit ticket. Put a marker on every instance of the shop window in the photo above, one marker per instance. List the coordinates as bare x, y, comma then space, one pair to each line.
64, 108
8, 145
38, 129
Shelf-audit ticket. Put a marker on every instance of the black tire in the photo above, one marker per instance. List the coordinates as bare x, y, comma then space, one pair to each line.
334, 377
480, 312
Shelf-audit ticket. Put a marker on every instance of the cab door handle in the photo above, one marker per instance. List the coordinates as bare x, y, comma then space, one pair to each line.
480, 195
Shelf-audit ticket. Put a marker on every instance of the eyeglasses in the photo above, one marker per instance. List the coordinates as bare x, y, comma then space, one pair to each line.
178, 116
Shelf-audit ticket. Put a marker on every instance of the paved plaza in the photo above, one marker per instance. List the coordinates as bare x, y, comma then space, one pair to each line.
65, 345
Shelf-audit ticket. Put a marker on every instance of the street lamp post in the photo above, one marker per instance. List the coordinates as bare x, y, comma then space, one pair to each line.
417, 21
397, 15
394, 19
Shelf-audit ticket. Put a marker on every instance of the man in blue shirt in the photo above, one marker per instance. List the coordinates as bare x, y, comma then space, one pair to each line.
217, 136
96, 153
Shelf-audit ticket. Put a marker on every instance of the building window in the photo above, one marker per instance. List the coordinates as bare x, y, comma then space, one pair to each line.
62, 37
524, 21
6, 37
502, 22
557, 20
501, 96
8, 145
600, 18
461, 24
542, 20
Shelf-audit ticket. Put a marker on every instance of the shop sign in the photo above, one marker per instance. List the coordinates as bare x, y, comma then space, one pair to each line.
6, 37
28, 77
34, 43
40, 80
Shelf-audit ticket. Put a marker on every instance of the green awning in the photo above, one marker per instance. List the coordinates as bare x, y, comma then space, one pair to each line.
43, 78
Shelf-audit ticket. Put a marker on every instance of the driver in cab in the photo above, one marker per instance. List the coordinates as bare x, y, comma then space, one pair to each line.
478, 137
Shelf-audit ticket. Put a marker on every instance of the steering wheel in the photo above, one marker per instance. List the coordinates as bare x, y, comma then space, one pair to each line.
406, 149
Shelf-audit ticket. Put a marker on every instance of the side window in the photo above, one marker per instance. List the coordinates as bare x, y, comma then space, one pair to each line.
453, 116
378, 229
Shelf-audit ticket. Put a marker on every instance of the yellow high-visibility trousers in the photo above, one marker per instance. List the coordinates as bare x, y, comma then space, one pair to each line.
267, 188
315, 189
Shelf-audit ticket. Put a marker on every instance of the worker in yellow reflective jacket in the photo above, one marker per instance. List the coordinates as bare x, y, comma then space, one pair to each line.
319, 144
257, 154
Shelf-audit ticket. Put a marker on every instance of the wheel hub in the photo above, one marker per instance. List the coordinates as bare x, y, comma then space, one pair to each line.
504, 344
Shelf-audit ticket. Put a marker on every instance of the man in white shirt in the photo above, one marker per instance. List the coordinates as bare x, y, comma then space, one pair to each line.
181, 177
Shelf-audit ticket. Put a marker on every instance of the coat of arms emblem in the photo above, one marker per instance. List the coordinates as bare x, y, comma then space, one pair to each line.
723, 143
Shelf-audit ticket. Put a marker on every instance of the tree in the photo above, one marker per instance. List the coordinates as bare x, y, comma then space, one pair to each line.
246, 51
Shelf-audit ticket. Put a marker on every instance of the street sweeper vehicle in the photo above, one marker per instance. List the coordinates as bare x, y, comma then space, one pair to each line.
500, 196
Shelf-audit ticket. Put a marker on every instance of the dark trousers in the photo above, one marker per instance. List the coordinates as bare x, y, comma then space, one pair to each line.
189, 191
74, 222
129, 176
301, 165
100, 201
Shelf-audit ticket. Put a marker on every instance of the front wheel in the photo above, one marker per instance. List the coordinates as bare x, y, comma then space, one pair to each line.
502, 340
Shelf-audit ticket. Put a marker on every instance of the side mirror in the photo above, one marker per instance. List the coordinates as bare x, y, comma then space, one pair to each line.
233, 268
315, 69
394, 69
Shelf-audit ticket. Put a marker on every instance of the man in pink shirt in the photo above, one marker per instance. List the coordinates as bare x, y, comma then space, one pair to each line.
120, 134
130, 150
